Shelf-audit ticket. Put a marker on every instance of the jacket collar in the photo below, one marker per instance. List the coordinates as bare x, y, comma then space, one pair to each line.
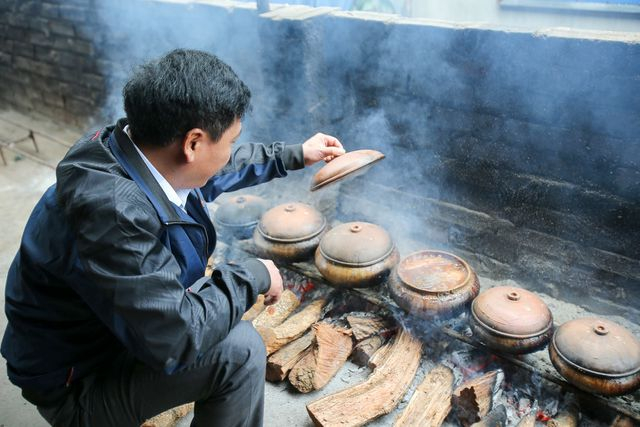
123, 149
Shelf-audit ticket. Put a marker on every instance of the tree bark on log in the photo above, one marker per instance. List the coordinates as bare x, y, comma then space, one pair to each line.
473, 400
330, 349
292, 328
255, 309
283, 360
365, 349
377, 396
169, 418
275, 314
431, 402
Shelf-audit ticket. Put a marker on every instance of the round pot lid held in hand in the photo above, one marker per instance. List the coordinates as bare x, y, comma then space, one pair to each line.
343, 166
356, 244
512, 312
240, 211
291, 222
598, 346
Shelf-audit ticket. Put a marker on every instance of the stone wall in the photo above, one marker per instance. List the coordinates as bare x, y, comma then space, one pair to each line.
518, 151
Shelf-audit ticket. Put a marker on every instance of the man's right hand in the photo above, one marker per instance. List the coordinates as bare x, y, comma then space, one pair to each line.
273, 294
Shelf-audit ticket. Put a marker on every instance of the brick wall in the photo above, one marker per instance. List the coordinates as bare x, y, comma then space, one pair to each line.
518, 151
48, 61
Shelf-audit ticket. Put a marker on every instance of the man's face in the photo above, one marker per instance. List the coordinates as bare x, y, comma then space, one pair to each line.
211, 156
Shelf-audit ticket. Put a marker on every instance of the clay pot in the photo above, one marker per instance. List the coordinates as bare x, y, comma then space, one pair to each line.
237, 217
433, 283
289, 232
597, 355
349, 164
356, 255
511, 320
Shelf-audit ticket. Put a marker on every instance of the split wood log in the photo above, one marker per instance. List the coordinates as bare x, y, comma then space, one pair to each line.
568, 417
378, 395
622, 421
474, 399
431, 402
330, 349
379, 356
255, 309
497, 417
282, 361
528, 420
275, 314
292, 328
365, 349
365, 326
169, 418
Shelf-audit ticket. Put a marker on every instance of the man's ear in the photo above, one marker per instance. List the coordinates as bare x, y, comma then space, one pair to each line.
191, 143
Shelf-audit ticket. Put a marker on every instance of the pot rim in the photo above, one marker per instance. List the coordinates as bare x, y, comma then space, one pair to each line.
295, 239
463, 283
505, 334
587, 370
358, 264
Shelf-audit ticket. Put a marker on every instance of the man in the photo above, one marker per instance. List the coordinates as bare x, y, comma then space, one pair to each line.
111, 319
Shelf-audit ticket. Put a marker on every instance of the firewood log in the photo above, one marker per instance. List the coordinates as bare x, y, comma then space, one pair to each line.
622, 421
365, 326
255, 309
292, 328
528, 420
282, 361
365, 349
497, 417
474, 399
379, 356
330, 349
169, 418
431, 402
378, 395
275, 314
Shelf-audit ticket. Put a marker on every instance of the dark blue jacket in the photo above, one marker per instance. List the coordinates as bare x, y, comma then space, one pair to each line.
108, 264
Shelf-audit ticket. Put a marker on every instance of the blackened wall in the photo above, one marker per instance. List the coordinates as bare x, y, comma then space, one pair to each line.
48, 61
518, 151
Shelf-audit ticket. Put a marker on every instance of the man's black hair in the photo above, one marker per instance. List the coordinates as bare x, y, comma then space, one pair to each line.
184, 89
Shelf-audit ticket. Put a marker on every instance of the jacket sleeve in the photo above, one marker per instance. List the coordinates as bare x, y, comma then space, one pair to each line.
131, 283
251, 164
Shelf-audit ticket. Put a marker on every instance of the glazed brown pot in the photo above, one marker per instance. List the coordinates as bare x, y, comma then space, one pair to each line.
597, 355
237, 217
433, 283
356, 255
289, 232
511, 320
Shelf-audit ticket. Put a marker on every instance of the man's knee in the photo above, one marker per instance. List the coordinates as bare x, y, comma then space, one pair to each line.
244, 346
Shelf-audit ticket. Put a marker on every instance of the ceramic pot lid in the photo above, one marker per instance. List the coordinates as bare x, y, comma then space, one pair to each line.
241, 211
344, 165
598, 346
356, 244
512, 312
291, 222
434, 272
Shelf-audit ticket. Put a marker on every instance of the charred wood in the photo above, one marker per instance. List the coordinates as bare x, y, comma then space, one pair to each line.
365, 349
474, 399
